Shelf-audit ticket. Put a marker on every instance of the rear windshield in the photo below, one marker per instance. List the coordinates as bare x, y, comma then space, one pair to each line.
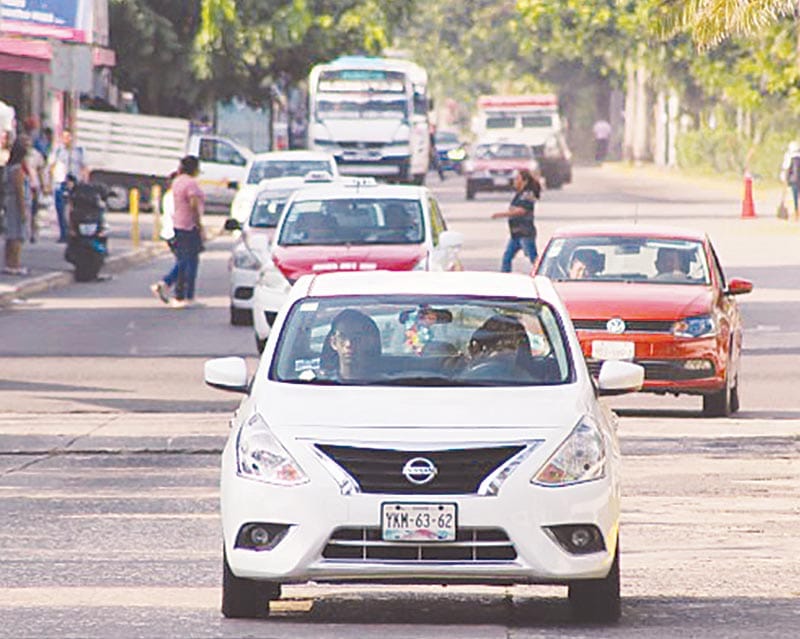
353, 221
421, 341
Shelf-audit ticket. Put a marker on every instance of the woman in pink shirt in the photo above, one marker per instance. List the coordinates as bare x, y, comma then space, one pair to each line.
187, 219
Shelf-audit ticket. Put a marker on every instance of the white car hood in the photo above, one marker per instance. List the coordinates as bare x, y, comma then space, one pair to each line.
363, 130
387, 414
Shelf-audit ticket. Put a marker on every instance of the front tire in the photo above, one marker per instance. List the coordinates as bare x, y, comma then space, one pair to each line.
720, 404
241, 316
117, 198
470, 192
246, 598
597, 600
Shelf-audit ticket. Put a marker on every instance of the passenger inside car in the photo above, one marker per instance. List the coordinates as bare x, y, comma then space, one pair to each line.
670, 266
352, 348
499, 347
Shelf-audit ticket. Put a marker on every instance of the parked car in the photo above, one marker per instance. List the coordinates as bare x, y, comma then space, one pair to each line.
352, 225
656, 296
450, 151
555, 160
491, 166
421, 428
251, 250
276, 164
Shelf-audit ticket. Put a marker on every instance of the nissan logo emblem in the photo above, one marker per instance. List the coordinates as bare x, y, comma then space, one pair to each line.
419, 470
615, 325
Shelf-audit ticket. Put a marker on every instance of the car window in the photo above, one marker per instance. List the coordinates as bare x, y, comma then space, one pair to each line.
219, 152
353, 221
267, 169
500, 122
267, 210
446, 137
400, 340
537, 121
626, 258
719, 273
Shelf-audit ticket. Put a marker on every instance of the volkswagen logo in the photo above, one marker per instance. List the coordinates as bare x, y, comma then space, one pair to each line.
615, 325
419, 470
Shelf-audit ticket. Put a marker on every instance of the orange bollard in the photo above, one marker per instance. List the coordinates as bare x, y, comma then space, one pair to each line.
748, 208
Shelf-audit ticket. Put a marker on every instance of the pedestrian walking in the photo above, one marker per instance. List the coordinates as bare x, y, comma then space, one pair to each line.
187, 220
602, 134
520, 218
16, 202
790, 172
65, 160
35, 167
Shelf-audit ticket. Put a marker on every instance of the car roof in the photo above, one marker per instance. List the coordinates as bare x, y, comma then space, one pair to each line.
292, 155
345, 190
631, 230
471, 283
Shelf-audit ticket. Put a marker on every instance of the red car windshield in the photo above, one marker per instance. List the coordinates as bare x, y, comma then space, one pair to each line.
626, 259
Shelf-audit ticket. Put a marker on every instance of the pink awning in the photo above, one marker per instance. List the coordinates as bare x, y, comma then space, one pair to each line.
25, 56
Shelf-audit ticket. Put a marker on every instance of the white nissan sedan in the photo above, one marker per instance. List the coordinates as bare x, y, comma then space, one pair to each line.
422, 428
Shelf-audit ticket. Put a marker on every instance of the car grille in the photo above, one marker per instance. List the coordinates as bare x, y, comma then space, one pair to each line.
631, 326
471, 545
459, 471
362, 145
243, 292
659, 370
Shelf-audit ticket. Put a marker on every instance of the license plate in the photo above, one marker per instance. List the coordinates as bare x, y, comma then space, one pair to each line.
502, 181
364, 156
608, 349
418, 522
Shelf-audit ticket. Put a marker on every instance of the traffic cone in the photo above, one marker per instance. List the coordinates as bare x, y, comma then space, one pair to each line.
748, 208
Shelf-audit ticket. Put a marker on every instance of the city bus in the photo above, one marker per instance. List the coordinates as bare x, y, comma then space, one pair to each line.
371, 114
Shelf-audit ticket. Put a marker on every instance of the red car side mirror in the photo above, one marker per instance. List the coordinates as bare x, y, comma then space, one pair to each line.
738, 286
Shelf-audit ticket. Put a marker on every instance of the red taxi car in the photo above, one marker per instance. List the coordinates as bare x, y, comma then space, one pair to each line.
656, 296
491, 166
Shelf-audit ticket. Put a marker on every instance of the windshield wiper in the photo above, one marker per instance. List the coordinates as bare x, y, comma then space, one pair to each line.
417, 380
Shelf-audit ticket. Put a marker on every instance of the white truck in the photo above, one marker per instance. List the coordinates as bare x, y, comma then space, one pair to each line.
528, 119
124, 150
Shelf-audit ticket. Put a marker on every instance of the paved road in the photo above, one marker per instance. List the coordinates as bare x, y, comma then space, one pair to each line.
108, 476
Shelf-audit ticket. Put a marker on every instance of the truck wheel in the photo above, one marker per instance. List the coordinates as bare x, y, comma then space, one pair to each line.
117, 198
246, 598
470, 192
597, 600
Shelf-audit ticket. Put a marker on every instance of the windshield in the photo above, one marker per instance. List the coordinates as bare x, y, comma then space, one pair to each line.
537, 121
446, 137
372, 108
421, 341
267, 169
267, 209
353, 221
500, 122
503, 152
626, 259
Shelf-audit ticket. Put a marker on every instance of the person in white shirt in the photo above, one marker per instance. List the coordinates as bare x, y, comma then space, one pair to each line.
602, 134
65, 160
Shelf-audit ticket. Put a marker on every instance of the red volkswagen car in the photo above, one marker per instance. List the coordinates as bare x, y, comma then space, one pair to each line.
656, 296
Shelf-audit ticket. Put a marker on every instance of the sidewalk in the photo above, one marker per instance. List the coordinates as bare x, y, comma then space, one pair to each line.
48, 269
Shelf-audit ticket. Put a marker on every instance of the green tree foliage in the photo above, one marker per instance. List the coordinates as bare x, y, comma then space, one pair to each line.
245, 46
153, 41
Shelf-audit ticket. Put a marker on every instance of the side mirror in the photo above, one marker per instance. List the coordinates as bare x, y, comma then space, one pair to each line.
233, 185
618, 377
739, 286
232, 224
227, 373
451, 239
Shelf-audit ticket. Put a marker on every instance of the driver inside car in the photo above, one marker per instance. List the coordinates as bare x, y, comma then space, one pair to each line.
352, 348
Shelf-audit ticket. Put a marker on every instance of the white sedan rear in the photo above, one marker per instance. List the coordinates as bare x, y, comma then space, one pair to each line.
426, 428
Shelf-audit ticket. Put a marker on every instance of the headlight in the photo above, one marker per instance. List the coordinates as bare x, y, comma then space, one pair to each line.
260, 456
700, 326
271, 277
581, 458
244, 258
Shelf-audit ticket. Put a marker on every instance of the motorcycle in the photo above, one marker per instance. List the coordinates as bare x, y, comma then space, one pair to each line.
87, 245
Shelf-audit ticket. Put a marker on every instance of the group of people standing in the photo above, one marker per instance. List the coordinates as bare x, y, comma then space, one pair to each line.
34, 167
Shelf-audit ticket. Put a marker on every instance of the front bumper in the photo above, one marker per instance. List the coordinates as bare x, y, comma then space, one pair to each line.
266, 303
504, 182
242, 287
317, 511
670, 363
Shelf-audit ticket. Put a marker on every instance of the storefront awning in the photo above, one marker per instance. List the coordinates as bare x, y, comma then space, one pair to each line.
25, 56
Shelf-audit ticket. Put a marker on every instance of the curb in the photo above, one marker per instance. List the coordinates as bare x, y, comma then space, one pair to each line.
60, 279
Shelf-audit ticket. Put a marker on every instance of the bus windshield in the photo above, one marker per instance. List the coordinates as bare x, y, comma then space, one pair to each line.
373, 108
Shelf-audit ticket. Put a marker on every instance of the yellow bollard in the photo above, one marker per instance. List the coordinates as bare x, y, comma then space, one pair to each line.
133, 198
155, 200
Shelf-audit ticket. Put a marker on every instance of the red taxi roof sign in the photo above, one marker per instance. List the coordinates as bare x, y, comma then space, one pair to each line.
511, 101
